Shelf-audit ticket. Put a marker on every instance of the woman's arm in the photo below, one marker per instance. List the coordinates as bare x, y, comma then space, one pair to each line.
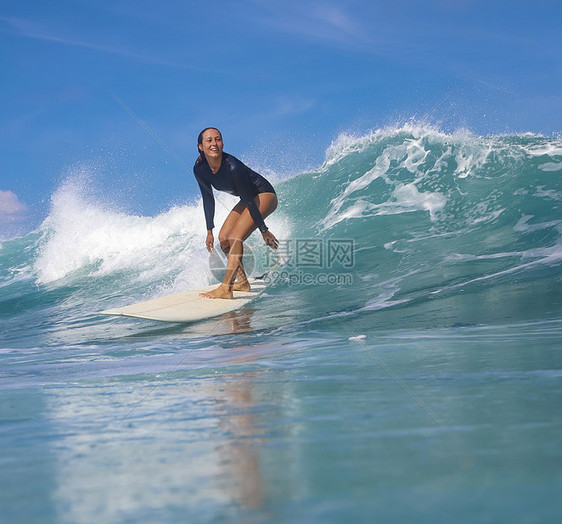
210, 240
208, 203
270, 239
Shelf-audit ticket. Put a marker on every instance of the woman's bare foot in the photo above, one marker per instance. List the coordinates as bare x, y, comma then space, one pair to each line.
241, 285
221, 292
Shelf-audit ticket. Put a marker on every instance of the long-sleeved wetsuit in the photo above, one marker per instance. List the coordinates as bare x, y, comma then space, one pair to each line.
235, 178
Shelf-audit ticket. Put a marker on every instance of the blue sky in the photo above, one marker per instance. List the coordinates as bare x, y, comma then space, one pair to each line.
281, 79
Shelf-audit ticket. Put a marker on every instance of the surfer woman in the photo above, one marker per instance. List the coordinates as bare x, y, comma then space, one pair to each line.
257, 200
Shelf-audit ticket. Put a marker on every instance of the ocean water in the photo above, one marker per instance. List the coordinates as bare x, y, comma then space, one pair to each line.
404, 364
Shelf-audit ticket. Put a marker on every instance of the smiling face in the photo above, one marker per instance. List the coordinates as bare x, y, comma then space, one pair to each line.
211, 144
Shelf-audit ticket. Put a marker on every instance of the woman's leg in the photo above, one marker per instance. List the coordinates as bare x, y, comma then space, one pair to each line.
241, 280
240, 229
229, 223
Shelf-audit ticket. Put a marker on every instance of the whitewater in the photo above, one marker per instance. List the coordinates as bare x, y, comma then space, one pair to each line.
404, 363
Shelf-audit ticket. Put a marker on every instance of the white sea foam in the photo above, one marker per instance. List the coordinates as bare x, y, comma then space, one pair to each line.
410, 154
89, 238
551, 148
425, 153
551, 166
80, 233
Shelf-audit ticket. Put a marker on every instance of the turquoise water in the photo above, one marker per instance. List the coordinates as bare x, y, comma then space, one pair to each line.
405, 362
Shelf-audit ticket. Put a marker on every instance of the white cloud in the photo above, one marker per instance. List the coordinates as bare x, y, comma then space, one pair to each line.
31, 29
10, 204
345, 25
14, 215
290, 106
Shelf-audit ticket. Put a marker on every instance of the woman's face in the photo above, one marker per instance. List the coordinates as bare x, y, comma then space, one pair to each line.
212, 143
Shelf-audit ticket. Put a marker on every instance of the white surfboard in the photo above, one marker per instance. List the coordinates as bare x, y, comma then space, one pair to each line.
188, 306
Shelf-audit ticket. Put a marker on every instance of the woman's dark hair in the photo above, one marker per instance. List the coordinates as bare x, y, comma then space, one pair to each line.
200, 139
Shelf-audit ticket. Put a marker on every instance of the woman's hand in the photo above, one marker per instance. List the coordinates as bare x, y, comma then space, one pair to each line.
270, 239
210, 242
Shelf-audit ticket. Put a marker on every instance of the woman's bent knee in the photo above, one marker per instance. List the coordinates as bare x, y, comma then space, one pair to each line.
225, 245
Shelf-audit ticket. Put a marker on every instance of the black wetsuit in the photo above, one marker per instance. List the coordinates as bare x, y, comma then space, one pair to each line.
235, 178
